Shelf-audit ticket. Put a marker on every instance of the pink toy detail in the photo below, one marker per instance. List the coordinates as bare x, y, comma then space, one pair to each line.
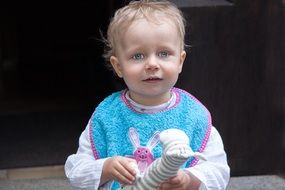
142, 154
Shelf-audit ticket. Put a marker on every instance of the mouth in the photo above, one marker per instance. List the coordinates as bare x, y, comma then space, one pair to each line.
152, 79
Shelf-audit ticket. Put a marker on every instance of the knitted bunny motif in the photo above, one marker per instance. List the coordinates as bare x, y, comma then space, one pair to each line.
176, 151
142, 154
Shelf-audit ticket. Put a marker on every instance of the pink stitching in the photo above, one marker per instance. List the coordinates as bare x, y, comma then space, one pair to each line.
124, 99
203, 146
95, 153
207, 135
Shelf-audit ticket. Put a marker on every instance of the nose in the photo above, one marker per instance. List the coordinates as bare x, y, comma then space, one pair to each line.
152, 63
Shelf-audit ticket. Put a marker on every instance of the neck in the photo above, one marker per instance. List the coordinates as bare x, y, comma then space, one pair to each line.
151, 101
151, 109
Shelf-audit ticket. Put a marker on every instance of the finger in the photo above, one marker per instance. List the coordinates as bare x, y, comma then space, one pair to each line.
174, 180
168, 186
126, 163
121, 178
123, 172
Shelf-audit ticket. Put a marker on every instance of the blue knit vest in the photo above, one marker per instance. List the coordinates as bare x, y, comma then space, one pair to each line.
110, 123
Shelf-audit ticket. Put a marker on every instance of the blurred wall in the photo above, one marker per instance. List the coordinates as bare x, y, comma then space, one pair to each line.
236, 67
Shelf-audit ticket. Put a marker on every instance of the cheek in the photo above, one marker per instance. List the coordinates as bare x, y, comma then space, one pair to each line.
132, 71
172, 70
131, 76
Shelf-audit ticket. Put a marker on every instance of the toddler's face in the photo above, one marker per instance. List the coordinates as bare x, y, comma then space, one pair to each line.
149, 59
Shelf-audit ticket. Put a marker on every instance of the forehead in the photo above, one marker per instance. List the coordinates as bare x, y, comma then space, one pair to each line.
144, 23
143, 29
159, 23
155, 17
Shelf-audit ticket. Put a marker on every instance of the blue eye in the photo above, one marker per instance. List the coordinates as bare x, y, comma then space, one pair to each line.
138, 56
163, 54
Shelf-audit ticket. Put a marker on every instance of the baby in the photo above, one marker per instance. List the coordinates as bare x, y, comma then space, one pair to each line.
145, 48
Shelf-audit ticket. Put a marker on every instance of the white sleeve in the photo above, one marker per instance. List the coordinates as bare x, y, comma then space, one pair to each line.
81, 169
214, 173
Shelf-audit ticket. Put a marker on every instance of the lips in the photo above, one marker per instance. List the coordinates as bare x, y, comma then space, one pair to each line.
152, 79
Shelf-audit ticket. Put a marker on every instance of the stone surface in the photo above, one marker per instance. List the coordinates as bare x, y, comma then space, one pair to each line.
266, 182
35, 184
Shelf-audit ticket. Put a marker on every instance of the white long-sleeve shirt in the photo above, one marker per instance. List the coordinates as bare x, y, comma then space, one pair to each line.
84, 171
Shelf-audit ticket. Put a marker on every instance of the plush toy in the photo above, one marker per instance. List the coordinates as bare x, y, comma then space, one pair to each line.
176, 151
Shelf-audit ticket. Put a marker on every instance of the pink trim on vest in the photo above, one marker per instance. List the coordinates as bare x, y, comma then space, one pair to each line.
95, 153
203, 146
207, 135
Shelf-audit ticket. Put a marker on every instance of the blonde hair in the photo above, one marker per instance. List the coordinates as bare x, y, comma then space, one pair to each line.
147, 9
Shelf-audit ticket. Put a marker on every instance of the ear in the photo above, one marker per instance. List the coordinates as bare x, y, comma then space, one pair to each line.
116, 66
134, 137
153, 141
182, 59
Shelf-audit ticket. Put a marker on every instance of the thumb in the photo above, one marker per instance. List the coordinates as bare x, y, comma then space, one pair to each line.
173, 180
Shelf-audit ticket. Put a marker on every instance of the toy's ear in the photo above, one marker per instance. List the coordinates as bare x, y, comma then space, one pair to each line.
153, 141
134, 137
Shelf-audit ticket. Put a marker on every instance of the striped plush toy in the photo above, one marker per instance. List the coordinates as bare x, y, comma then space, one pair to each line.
176, 151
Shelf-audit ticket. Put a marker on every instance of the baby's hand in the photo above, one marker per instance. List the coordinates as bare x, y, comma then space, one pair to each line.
119, 168
134, 165
181, 181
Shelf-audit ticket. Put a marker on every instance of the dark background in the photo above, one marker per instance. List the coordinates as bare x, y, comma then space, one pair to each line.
52, 76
